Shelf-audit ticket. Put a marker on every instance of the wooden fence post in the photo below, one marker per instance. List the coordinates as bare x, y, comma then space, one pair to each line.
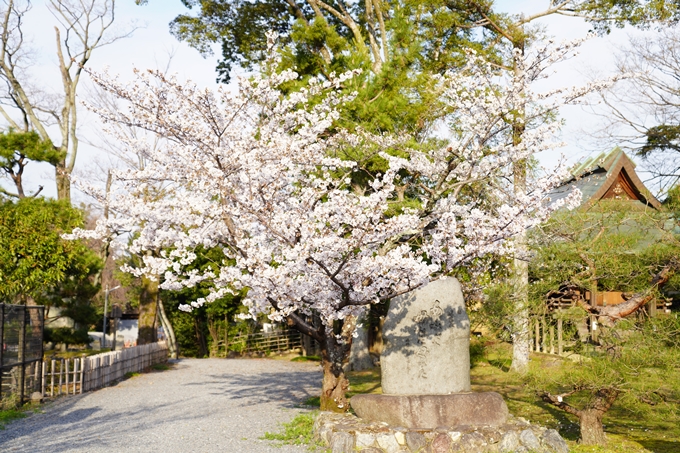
537, 346
43, 380
82, 373
544, 342
75, 374
61, 374
560, 348
67, 373
52, 379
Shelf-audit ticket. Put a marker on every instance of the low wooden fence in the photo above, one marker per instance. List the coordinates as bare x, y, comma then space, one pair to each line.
276, 341
547, 335
82, 374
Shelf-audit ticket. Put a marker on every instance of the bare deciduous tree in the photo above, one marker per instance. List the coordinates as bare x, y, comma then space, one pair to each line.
83, 26
642, 112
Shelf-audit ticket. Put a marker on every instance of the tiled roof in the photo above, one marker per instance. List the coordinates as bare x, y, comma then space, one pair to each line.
605, 176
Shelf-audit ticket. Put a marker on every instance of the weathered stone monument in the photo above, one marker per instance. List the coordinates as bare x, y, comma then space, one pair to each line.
426, 365
427, 342
427, 405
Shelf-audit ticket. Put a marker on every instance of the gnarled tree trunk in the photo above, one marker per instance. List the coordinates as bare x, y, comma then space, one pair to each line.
334, 356
590, 418
590, 423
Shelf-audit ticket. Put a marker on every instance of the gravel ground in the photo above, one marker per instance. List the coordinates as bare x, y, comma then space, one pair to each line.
199, 405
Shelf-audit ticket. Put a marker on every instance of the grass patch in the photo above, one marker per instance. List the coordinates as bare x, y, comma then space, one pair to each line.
627, 431
313, 401
10, 414
160, 367
131, 374
367, 381
309, 358
652, 430
296, 432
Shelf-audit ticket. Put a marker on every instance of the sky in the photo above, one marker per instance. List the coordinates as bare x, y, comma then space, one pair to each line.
151, 45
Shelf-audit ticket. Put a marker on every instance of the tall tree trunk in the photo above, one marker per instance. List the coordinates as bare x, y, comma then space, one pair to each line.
335, 350
521, 341
61, 174
168, 329
334, 357
214, 336
148, 301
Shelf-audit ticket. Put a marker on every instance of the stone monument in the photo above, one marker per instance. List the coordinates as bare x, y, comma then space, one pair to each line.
426, 365
426, 346
426, 405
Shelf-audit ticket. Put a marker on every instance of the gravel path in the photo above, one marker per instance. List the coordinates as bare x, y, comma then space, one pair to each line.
199, 405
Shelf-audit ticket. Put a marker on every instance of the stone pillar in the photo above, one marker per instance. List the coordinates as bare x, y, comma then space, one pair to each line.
427, 342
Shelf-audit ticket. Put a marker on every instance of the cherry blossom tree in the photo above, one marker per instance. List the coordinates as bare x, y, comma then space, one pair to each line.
265, 177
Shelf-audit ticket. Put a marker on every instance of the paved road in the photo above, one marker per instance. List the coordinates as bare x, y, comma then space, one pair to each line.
200, 405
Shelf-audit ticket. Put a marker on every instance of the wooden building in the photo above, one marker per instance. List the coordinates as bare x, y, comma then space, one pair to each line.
608, 176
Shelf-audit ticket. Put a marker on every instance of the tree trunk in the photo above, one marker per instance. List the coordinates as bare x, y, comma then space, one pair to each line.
148, 301
200, 337
169, 331
592, 432
214, 336
521, 341
61, 174
359, 358
335, 383
334, 357
590, 419
36, 322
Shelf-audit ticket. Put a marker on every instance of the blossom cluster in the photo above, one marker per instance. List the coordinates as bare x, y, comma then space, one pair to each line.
256, 173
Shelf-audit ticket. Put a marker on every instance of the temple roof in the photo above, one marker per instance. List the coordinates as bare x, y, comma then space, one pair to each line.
607, 176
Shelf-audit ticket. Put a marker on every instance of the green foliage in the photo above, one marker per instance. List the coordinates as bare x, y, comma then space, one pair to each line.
199, 331
67, 336
7, 415
423, 38
296, 432
25, 145
660, 138
308, 358
37, 263
672, 201
602, 14
34, 259
17, 150
641, 361
613, 246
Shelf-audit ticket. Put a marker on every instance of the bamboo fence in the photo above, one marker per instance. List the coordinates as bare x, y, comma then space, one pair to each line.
82, 374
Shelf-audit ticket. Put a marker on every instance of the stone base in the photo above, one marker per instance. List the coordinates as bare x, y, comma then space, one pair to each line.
433, 411
345, 433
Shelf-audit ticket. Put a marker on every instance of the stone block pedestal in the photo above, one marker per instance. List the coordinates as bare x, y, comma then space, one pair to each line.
346, 433
433, 411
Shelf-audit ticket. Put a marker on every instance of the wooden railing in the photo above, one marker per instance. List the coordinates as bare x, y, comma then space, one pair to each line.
82, 374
